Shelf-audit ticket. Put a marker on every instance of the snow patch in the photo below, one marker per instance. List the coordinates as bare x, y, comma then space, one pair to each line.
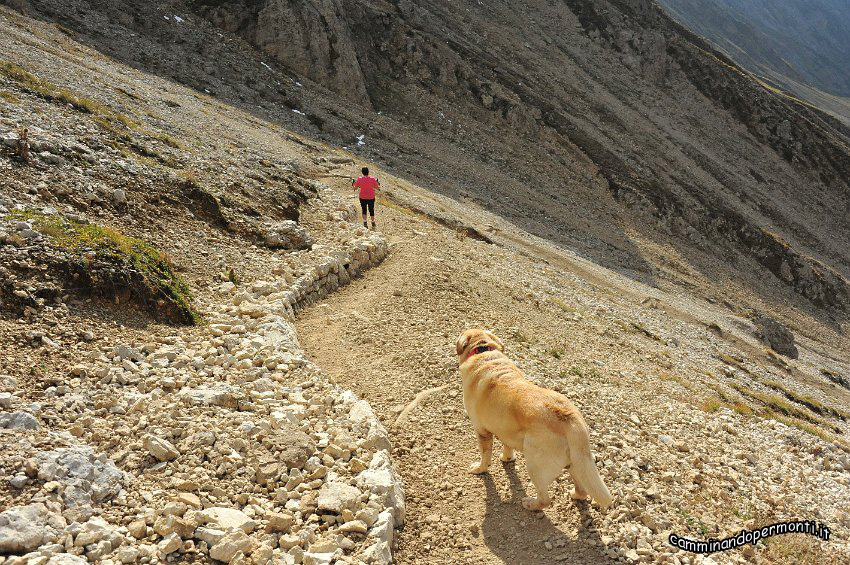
299, 112
361, 138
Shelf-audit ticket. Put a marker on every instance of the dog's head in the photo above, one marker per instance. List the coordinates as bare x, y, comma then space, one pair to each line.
473, 339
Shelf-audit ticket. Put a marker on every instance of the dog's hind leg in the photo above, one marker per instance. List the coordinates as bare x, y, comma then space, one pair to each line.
507, 454
579, 492
544, 466
485, 443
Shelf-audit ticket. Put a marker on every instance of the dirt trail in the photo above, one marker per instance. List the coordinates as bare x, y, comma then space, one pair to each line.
641, 371
389, 336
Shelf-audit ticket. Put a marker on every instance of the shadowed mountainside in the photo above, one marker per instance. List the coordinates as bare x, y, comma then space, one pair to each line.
804, 47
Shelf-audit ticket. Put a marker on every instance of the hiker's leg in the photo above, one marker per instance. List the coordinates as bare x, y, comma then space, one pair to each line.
364, 205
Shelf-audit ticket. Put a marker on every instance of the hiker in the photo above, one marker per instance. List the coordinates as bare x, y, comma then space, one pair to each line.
367, 186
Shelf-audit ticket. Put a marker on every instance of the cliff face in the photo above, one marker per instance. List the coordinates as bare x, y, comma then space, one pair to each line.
602, 125
312, 38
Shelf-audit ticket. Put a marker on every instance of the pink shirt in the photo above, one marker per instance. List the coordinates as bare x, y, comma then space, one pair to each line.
367, 186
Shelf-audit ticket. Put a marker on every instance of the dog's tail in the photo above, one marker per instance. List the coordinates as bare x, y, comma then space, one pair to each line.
583, 467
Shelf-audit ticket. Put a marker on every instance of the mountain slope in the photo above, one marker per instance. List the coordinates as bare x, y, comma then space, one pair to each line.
552, 96
794, 44
639, 302
601, 125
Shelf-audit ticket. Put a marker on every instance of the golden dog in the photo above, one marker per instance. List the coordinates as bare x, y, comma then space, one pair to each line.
541, 423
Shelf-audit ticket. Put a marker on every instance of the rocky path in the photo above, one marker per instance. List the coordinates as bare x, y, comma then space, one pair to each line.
672, 467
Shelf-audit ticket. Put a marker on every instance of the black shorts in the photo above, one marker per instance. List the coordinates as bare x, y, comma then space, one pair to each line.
370, 204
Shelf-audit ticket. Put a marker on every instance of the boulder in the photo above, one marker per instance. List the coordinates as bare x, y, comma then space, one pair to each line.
266, 470
377, 554
66, 559
384, 527
287, 235
336, 497
279, 523
24, 528
227, 519
18, 421
9, 139
209, 535
93, 531
382, 480
128, 554
124, 352
294, 446
316, 558
87, 478
169, 544
8, 383
7, 399
162, 449
777, 336
231, 544
222, 395
51, 159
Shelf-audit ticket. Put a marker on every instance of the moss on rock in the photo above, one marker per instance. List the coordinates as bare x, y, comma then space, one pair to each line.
142, 269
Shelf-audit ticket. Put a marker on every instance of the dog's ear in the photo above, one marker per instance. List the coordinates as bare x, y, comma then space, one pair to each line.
462, 342
496, 340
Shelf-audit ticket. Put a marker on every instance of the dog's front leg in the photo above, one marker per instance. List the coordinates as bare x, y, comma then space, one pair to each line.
485, 443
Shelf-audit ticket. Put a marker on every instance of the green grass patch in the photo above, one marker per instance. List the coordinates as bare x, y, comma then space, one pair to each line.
805, 427
47, 90
584, 372
741, 408
670, 377
189, 177
724, 400
712, 405
809, 402
800, 549
556, 352
155, 266
777, 408
774, 403
9, 97
729, 360
563, 306
167, 140
519, 336
775, 359
715, 404
112, 127
385, 200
